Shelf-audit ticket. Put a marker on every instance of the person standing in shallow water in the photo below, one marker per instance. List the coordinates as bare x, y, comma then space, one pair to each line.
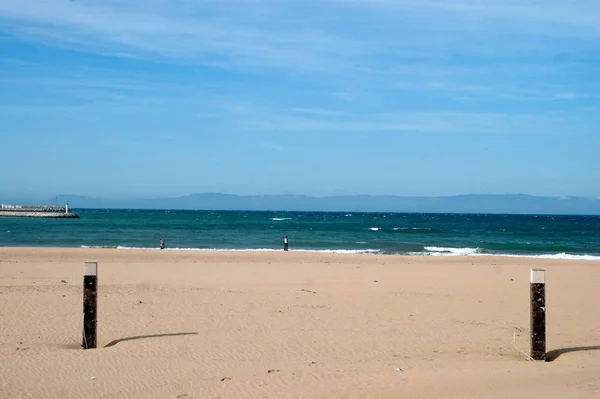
285, 243
162, 244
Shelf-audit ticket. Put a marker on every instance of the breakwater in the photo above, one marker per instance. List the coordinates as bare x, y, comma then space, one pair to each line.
54, 212
54, 215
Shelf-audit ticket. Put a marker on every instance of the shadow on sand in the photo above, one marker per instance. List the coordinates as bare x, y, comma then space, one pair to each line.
116, 341
553, 355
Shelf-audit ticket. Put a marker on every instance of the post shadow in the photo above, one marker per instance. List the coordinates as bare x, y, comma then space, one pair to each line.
554, 354
116, 341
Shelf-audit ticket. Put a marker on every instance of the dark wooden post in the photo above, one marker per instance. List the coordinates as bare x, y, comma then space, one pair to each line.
90, 303
538, 314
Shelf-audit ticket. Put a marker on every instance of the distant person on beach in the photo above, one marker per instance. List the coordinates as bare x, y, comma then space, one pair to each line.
162, 244
285, 243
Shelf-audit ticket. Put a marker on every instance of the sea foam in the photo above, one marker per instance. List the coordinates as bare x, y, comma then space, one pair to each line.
561, 255
328, 251
428, 251
448, 251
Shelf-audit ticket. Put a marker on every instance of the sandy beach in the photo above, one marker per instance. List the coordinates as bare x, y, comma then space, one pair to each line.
194, 324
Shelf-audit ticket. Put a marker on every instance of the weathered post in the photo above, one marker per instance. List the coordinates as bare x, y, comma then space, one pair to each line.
538, 314
90, 303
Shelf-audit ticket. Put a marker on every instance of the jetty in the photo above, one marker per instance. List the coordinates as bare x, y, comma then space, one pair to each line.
21, 211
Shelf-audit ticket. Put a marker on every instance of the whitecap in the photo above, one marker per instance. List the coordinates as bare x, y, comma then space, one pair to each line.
449, 251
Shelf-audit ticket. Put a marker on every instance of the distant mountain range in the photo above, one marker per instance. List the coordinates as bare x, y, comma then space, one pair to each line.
476, 203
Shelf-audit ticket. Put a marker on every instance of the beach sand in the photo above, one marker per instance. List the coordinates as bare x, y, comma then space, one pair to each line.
193, 324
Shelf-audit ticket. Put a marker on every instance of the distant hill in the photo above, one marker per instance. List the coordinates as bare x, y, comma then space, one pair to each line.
476, 203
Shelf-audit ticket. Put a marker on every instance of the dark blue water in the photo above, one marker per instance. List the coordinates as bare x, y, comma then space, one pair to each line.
576, 237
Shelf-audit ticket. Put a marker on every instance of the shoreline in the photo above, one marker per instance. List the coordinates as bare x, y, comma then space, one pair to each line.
558, 256
155, 255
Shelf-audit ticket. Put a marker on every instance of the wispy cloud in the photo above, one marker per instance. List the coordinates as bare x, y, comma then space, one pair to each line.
272, 146
376, 53
269, 34
213, 37
419, 122
296, 77
317, 111
44, 108
575, 96
580, 13
118, 85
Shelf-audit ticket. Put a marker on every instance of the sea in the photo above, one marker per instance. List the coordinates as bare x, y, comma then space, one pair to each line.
539, 236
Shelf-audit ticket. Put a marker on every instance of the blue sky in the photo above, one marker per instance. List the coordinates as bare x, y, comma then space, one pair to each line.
123, 98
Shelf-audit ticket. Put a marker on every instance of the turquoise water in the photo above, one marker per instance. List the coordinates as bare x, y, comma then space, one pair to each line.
576, 237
